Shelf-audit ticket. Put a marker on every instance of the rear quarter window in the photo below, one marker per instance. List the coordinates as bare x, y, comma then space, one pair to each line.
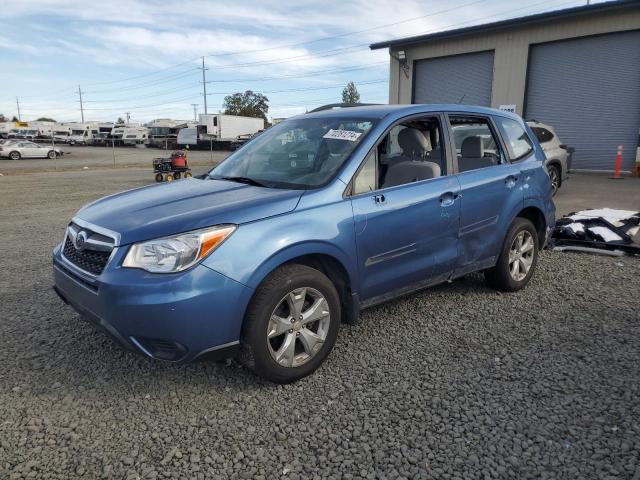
519, 144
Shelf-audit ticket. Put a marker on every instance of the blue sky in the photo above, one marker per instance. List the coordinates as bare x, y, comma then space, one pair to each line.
141, 56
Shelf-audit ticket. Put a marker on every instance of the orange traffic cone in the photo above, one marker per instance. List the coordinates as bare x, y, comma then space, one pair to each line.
616, 174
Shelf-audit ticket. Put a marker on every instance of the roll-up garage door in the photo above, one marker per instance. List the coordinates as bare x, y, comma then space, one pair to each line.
588, 89
465, 79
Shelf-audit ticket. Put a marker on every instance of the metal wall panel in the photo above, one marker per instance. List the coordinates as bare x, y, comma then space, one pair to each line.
465, 79
588, 89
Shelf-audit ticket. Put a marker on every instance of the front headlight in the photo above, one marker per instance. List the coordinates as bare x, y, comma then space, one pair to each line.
178, 252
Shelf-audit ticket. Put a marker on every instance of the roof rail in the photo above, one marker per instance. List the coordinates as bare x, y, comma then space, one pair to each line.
331, 106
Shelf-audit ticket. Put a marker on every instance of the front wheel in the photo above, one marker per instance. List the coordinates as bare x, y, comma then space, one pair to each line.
291, 324
518, 258
51, 154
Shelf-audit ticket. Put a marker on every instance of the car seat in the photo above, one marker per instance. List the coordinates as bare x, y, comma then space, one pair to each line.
472, 154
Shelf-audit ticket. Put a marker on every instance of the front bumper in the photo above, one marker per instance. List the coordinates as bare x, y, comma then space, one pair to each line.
175, 317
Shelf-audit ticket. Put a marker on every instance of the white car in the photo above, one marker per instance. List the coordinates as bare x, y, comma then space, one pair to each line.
558, 158
17, 149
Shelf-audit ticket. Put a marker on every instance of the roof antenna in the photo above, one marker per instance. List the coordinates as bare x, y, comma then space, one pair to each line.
461, 98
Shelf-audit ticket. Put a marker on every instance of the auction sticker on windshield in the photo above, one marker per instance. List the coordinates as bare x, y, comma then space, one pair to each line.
343, 135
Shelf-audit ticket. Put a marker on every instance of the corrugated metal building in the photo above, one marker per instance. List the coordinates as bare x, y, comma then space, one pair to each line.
577, 69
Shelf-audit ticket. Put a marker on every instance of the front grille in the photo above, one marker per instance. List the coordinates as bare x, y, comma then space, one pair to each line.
91, 261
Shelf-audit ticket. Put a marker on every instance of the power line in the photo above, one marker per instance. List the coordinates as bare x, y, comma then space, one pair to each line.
308, 74
308, 42
307, 89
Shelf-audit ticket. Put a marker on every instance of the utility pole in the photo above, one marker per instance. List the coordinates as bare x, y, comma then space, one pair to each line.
81, 107
128, 114
195, 111
204, 86
18, 105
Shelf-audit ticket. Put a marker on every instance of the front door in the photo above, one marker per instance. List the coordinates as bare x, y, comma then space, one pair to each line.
406, 212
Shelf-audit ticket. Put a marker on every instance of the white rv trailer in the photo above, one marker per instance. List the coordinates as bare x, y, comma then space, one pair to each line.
82, 133
135, 135
229, 127
163, 132
225, 131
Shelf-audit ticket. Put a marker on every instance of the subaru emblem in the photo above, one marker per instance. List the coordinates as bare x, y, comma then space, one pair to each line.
81, 240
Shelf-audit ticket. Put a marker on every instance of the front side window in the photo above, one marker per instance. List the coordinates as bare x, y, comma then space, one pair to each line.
475, 144
411, 152
517, 140
297, 153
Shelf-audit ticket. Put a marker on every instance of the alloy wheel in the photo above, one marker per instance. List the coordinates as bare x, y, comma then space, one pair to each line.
555, 179
298, 327
521, 255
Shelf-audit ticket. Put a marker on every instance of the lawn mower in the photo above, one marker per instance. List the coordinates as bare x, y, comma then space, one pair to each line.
172, 168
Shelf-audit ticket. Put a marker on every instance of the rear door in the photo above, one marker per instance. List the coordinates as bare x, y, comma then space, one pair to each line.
491, 189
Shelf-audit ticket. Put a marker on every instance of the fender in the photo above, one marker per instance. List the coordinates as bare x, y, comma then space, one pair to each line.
298, 250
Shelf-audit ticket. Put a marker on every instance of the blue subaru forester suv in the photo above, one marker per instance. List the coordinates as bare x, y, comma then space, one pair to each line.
320, 216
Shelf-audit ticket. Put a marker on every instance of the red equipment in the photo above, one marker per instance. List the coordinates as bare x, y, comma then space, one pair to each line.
172, 168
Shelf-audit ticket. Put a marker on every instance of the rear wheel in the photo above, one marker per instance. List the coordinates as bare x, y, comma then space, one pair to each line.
14, 155
518, 258
291, 324
554, 176
176, 176
187, 175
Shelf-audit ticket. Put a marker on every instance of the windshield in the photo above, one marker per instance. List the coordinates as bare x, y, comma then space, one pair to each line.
298, 153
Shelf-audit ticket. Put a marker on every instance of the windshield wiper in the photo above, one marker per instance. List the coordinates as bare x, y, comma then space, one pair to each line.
246, 180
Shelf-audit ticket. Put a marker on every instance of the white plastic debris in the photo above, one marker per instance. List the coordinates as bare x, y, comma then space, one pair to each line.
606, 234
575, 227
611, 215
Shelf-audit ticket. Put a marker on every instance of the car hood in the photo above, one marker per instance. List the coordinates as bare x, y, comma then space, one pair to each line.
160, 210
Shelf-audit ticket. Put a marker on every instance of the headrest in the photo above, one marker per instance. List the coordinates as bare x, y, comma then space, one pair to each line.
472, 146
412, 140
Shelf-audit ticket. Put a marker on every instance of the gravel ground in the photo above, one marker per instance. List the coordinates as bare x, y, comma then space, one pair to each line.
454, 382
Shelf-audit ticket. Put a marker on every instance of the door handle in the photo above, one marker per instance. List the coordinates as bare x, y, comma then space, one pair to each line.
379, 199
448, 198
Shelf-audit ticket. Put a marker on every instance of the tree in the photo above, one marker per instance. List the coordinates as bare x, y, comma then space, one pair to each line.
120, 120
247, 104
3, 118
45, 119
350, 94
15, 119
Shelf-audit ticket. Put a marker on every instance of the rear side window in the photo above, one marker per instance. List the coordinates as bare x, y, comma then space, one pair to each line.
517, 140
542, 134
475, 144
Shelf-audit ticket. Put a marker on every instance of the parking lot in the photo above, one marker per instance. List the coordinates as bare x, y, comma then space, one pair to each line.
457, 381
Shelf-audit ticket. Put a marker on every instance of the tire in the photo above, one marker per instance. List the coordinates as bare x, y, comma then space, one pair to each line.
554, 176
188, 175
51, 154
176, 176
15, 155
159, 177
287, 291
169, 178
503, 276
